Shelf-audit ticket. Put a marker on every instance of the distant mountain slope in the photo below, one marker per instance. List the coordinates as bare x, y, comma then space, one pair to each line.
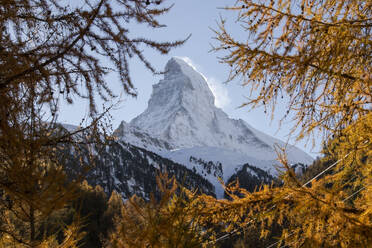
229, 161
182, 121
181, 111
183, 131
250, 177
130, 170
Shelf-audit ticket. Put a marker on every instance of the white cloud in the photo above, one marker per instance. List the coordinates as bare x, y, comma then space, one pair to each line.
221, 95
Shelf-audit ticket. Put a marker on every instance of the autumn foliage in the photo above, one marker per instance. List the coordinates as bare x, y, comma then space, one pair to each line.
51, 52
316, 56
313, 54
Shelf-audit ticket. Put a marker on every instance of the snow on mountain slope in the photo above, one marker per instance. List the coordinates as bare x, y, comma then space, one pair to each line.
123, 167
134, 136
128, 169
229, 159
230, 162
183, 124
181, 111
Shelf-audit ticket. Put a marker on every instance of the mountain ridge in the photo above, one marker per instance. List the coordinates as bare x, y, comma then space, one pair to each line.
181, 112
182, 123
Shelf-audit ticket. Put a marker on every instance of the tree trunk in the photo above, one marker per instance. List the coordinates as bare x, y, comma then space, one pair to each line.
32, 224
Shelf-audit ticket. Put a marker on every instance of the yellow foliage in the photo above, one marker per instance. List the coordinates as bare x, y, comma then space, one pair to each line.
333, 210
50, 53
171, 221
317, 52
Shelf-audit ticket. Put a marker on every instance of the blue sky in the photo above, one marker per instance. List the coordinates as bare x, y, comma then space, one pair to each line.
195, 17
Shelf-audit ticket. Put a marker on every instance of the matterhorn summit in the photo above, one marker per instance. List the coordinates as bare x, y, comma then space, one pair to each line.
182, 122
181, 108
181, 111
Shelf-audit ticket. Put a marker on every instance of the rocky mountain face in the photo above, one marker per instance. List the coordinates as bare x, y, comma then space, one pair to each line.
181, 111
183, 124
128, 169
250, 178
183, 133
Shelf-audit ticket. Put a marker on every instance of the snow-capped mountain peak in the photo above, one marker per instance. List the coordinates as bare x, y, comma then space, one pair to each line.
186, 77
180, 106
181, 111
183, 124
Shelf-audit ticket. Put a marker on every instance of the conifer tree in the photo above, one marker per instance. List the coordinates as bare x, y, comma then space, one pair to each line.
57, 47
318, 53
171, 221
33, 183
50, 52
